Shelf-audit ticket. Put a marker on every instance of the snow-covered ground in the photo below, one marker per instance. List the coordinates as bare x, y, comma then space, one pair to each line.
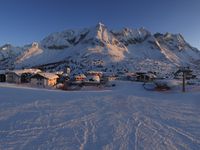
123, 117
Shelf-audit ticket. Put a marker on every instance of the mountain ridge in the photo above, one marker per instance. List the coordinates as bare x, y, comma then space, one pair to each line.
101, 48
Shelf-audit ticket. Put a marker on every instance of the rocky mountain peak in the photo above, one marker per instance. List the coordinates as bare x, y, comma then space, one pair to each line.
99, 46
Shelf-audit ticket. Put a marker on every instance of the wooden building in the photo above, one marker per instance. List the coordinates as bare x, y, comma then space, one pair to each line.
131, 76
79, 78
20, 76
44, 79
145, 76
94, 76
94, 73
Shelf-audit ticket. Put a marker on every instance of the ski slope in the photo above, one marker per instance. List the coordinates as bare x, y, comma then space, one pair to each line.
124, 117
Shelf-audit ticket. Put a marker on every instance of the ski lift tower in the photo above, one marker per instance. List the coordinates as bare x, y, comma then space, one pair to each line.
185, 71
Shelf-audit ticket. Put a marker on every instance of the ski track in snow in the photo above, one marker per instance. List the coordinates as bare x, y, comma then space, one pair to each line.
125, 117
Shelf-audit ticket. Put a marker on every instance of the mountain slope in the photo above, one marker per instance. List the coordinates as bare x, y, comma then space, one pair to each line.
103, 49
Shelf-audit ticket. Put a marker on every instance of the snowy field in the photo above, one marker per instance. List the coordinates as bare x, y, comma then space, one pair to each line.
125, 117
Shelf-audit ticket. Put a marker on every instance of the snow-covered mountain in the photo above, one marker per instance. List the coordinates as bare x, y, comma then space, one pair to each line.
101, 48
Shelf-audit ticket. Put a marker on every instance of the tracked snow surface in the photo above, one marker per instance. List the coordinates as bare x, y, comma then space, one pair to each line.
124, 117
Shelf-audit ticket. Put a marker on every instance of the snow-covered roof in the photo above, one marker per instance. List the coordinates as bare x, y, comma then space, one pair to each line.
20, 72
131, 74
92, 73
94, 78
80, 76
48, 75
59, 72
2, 71
151, 75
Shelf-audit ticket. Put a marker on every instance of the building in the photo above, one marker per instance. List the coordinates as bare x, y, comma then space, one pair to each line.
94, 76
94, 73
44, 79
131, 76
63, 78
107, 76
79, 78
2, 76
145, 77
188, 74
20, 76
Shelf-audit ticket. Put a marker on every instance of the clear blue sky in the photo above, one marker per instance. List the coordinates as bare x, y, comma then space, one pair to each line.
24, 21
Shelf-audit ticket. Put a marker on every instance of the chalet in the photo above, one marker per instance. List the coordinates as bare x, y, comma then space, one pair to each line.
2, 76
144, 77
108, 76
44, 79
94, 76
20, 76
92, 80
94, 73
131, 76
79, 78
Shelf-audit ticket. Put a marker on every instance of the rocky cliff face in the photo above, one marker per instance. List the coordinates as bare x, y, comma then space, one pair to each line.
101, 48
